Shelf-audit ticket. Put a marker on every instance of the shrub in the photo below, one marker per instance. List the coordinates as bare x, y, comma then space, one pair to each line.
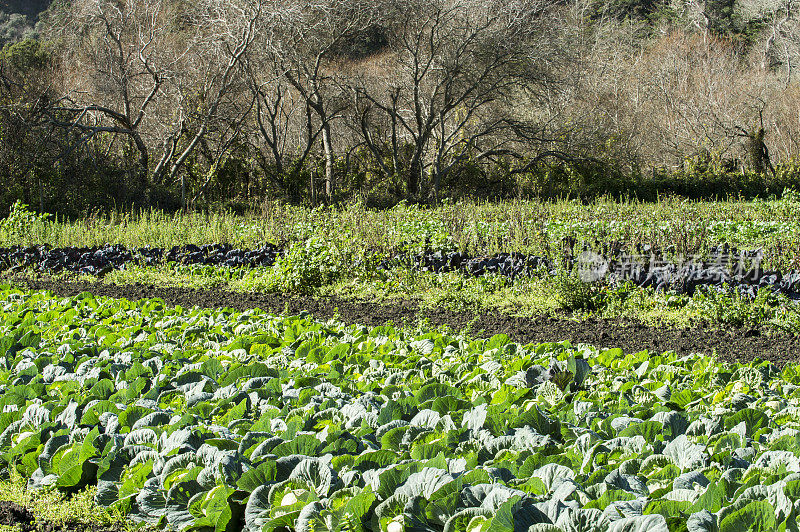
20, 225
572, 293
307, 265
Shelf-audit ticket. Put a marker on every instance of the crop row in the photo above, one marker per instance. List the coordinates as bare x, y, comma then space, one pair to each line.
723, 269
99, 260
211, 419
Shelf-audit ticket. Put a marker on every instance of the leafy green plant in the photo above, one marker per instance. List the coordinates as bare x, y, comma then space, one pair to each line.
307, 265
214, 419
573, 293
790, 195
417, 230
734, 309
18, 227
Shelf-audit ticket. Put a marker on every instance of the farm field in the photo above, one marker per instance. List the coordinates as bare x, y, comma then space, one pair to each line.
715, 270
388, 266
458, 368
223, 420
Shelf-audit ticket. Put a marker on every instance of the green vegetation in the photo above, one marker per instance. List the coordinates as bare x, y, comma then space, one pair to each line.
360, 137
52, 506
562, 296
201, 418
536, 227
337, 251
18, 18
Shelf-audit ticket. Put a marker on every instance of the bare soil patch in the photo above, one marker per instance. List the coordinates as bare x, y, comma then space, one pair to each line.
729, 344
14, 515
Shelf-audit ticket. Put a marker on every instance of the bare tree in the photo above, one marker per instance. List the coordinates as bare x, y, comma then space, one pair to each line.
224, 33
307, 46
164, 74
285, 127
116, 69
699, 95
454, 67
584, 114
781, 45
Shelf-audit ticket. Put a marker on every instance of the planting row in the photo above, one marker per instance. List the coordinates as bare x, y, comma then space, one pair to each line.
211, 419
723, 269
100, 260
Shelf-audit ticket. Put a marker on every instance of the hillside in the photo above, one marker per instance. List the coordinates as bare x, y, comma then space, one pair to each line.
319, 101
18, 18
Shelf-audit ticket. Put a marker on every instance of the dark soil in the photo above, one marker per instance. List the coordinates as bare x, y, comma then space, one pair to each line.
14, 515
729, 344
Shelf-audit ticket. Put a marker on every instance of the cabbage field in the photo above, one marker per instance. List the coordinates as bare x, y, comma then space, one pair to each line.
218, 420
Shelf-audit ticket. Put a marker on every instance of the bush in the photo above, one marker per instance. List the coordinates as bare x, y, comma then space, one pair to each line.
735, 309
572, 293
307, 265
21, 224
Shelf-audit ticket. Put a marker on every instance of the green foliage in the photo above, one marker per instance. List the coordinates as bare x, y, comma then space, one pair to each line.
734, 309
574, 293
21, 224
790, 195
26, 58
201, 419
14, 26
59, 509
638, 10
418, 230
307, 265
353, 239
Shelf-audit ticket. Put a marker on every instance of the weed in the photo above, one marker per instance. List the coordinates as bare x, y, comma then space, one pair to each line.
54, 507
22, 225
337, 251
307, 265
732, 308
575, 294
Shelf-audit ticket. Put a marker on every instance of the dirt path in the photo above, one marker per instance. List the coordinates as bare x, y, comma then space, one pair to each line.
730, 344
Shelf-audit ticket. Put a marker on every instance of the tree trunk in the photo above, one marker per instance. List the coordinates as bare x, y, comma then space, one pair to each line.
437, 185
144, 161
755, 142
26, 184
313, 188
41, 191
330, 185
758, 152
414, 177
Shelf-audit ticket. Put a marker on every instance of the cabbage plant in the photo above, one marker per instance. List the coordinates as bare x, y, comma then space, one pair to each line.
199, 419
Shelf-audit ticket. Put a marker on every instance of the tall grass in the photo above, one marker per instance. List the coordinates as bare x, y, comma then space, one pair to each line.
682, 227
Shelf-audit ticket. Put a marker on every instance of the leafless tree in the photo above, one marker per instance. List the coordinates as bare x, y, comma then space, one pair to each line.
414, 92
308, 47
586, 117
699, 95
285, 128
215, 100
161, 73
445, 89
781, 45
116, 70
